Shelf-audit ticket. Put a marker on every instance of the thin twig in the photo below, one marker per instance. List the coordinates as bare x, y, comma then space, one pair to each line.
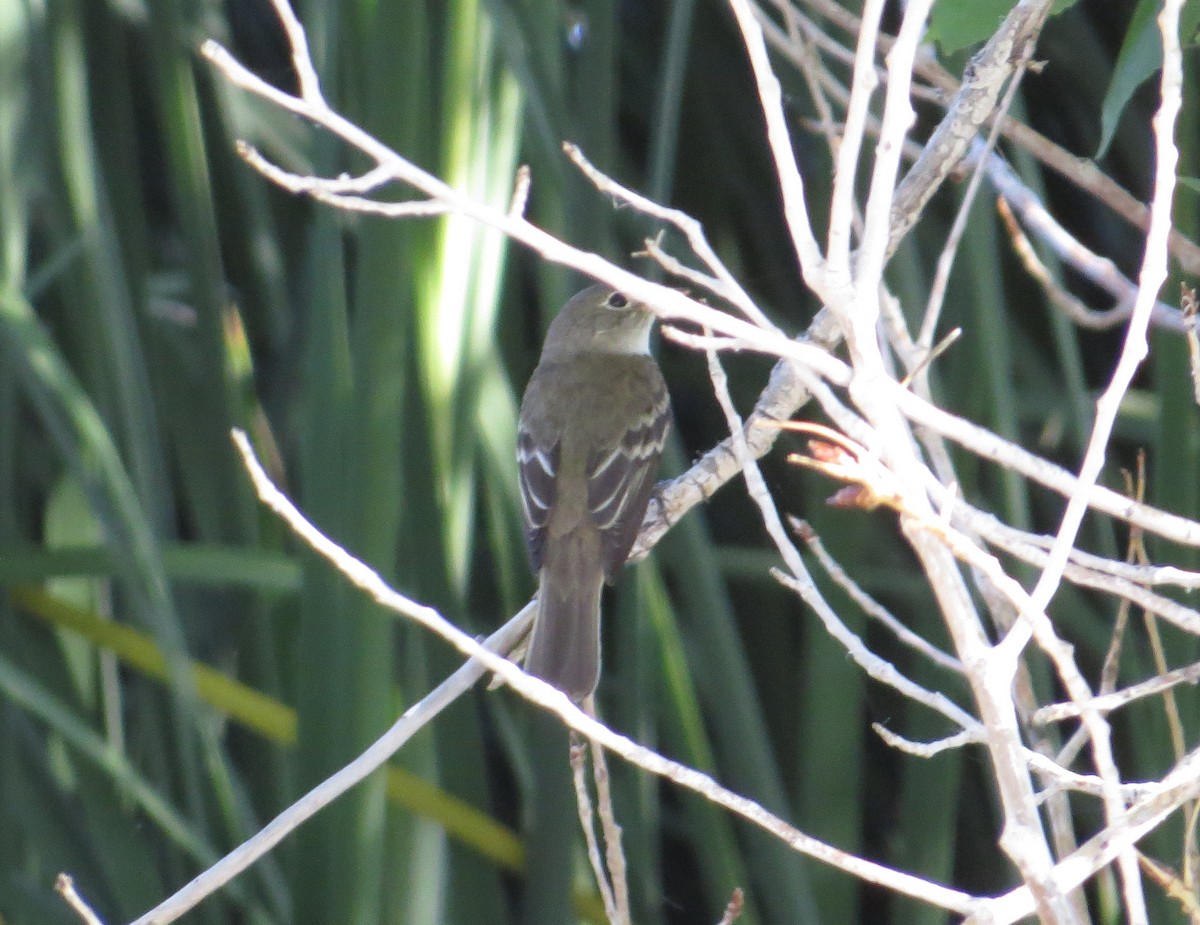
1106, 703
941, 278
928, 749
863, 83
1151, 278
587, 822
614, 853
791, 182
728, 288
64, 885
1161, 799
1071, 306
871, 607
733, 909
1189, 306
1098, 270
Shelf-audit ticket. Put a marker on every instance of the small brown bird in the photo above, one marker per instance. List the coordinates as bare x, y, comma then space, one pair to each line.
593, 423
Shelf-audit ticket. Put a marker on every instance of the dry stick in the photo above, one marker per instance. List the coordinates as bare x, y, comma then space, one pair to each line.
669, 304
520, 195
869, 605
974, 732
733, 909
65, 887
1061, 656
1146, 575
613, 852
1106, 703
1059, 777
975, 178
826, 82
1137, 551
652, 248
873, 665
1170, 706
1179, 886
929, 749
855, 465
779, 140
1121, 579
1179, 786
995, 671
727, 286
788, 45
941, 279
1085, 174
904, 345
1189, 306
974, 101
1017, 544
879, 231
1070, 305
762, 428
808, 61
614, 884
1191, 853
864, 80
991, 675
587, 822
1151, 278
885, 143
1100, 271
1030, 855
987, 445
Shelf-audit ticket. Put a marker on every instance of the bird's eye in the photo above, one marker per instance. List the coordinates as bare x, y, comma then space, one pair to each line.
616, 300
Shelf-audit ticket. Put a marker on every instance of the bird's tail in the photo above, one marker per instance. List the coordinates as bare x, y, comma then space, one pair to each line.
564, 649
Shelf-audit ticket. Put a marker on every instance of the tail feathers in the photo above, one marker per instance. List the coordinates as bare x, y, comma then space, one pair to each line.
565, 647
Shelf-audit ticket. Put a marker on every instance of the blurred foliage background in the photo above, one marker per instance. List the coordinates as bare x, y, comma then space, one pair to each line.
155, 292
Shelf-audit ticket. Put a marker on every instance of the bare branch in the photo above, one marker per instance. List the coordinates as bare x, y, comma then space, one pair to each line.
1106, 703
64, 885
974, 103
790, 179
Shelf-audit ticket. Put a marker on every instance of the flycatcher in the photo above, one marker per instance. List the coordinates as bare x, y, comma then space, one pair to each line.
593, 423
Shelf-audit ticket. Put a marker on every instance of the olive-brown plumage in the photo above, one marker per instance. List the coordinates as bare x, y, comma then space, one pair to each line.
593, 423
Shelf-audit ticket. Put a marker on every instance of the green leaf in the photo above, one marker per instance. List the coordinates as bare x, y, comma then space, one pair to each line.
957, 24
1139, 59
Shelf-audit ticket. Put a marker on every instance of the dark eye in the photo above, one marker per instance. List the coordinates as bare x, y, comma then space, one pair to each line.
616, 300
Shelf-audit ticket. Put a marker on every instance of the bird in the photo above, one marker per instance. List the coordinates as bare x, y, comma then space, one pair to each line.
593, 423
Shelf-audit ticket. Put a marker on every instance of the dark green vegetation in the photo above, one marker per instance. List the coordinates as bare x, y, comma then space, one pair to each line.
155, 292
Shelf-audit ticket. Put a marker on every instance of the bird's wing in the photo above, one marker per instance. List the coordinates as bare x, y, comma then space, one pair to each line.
538, 469
621, 478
